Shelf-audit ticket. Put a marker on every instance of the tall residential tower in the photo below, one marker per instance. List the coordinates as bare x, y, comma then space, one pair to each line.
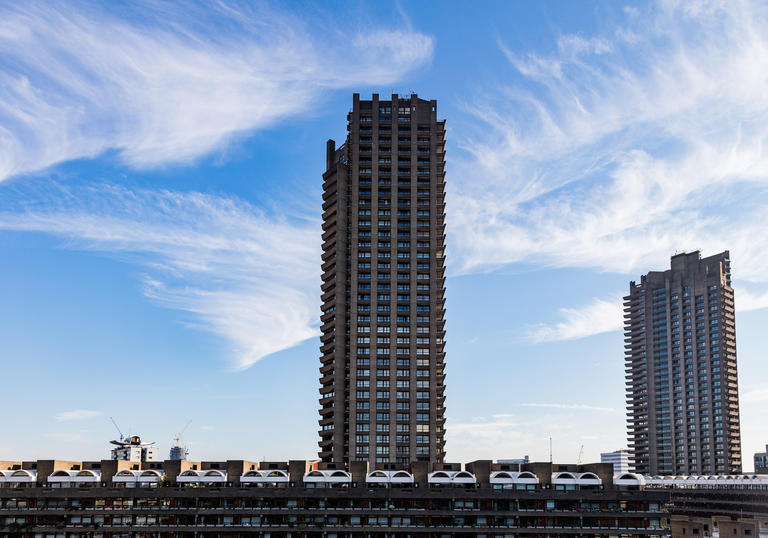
382, 393
680, 353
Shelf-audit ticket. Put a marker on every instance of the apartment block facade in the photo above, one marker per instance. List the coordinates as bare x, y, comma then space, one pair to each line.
761, 461
680, 358
382, 393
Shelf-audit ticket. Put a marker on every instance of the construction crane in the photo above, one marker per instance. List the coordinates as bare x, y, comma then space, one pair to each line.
179, 435
581, 453
179, 452
122, 437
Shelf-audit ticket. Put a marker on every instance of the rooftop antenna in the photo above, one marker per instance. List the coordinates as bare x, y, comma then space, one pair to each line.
550, 450
122, 437
581, 453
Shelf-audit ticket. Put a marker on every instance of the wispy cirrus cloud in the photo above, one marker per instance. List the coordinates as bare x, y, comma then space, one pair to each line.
244, 274
622, 147
160, 83
606, 315
78, 414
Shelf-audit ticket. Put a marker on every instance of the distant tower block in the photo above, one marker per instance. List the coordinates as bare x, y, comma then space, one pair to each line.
680, 357
178, 452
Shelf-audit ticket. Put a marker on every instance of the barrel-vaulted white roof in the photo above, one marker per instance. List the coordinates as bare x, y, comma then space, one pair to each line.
451, 477
708, 481
126, 475
565, 478
18, 475
272, 476
85, 476
331, 476
133, 476
510, 477
389, 477
149, 475
208, 476
629, 479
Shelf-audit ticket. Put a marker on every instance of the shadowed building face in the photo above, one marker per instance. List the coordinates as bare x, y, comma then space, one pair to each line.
680, 353
382, 394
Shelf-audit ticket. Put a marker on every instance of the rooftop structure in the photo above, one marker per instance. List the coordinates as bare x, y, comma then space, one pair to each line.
132, 449
515, 461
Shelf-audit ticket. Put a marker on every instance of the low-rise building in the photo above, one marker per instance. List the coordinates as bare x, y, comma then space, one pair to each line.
313, 498
132, 449
618, 458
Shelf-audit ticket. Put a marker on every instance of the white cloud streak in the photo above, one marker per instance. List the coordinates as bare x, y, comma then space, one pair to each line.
619, 149
245, 275
597, 317
606, 315
577, 407
506, 434
77, 414
160, 83
755, 395
746, 300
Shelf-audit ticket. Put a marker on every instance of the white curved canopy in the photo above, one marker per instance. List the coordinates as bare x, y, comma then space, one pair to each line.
330, 476
126, 476
513, 477
708, 481
389, 477
82, 476
568, 478
564, 478
18, 476
589, 479
202, 477
272, 476
629, 479
451, 477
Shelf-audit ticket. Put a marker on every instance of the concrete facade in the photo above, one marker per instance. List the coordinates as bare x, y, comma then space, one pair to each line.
382, 374
300, 498
680, 357
761, 461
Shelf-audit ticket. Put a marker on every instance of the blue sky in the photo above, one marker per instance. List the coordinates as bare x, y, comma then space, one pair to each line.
160, 187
